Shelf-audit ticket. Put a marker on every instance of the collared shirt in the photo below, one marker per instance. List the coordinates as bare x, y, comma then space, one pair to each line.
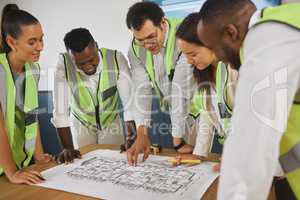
268, 81
143, 90
62, 93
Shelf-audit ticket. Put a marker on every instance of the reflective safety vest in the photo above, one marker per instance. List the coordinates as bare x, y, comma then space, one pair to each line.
22, 143
198, 102
288, 14
95, 112
171, 56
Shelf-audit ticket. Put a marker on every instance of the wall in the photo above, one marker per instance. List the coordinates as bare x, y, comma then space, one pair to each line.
105, 19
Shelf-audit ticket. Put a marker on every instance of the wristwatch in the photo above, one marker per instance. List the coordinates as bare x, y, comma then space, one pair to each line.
182, 143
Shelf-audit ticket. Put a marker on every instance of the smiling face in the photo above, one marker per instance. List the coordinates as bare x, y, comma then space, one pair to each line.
151, 37
88, 59
199, 56
29, 44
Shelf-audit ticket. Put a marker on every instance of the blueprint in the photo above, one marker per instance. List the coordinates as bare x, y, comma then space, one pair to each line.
105, 174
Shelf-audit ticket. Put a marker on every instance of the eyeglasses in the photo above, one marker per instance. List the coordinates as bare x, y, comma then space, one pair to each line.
151, 39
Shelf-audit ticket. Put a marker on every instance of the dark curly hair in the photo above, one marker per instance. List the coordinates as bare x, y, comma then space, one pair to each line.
142, 11
78, 39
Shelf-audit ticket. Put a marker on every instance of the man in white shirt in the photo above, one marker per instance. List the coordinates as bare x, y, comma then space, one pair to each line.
268, 82
80, 86
156, 63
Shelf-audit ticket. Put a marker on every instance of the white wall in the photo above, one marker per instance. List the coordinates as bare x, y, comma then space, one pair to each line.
104, 18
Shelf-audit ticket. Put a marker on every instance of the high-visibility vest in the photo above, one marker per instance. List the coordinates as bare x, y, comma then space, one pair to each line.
95, 112
198, 102
170, 58
288, 14
22, 143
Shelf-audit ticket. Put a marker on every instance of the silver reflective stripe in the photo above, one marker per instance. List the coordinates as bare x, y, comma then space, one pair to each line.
72, 80
143, 55
71, 75
223, 82
111, 65
30, 144
291, 160
35, 72
3, 90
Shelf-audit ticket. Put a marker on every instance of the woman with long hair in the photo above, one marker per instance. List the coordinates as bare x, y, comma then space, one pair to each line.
20, 142
213, 96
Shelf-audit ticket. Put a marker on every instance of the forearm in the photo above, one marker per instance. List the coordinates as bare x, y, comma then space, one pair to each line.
142, 101
65, 137
38, 144
204, 135
6, 158
183, 88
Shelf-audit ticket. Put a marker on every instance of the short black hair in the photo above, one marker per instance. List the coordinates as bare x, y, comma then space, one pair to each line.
187, 30
216, 9
142, 11
78, 39
11, 21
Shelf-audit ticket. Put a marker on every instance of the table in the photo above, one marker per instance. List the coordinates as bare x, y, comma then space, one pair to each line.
21, 192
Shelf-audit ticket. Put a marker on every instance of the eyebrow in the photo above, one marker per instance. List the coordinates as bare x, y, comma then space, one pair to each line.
149, 36
34, 38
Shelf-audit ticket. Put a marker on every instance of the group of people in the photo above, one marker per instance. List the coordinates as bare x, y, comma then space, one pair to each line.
227, 75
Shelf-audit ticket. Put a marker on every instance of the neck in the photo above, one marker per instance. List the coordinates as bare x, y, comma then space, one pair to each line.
16, 65
215, 62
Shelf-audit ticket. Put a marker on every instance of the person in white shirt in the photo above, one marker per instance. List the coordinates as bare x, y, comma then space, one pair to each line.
80, 88
206, 66
268, 81
156, 64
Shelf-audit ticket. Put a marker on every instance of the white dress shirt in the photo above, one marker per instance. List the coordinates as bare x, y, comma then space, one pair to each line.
268, 81
176, 88
62, 93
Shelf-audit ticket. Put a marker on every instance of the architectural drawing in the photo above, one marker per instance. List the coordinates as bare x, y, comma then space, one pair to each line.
105, 174
157, 177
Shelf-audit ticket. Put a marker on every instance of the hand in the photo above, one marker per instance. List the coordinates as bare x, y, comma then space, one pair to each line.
180, 157
141, 145
26, 176
217, 167
67, 156
43, 158
188, 149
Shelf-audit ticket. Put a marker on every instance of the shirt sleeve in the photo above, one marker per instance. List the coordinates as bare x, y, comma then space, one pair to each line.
181, 95
61, 96
268, 81
205, 135
125, 87
142, 104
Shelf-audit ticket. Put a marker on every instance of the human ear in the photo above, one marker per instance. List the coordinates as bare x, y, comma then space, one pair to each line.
11, 42
231, 33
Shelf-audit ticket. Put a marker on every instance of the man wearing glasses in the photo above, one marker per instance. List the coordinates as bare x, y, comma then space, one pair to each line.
89, 84
157, 64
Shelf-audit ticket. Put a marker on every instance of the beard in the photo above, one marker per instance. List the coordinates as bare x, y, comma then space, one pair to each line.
232, 57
